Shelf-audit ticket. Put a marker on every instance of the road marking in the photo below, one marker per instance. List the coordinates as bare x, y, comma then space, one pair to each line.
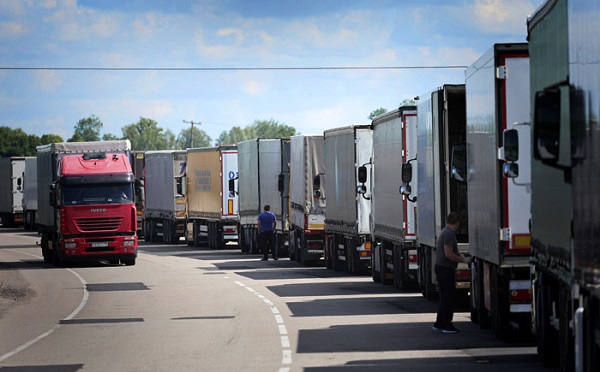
83, 302
286, 351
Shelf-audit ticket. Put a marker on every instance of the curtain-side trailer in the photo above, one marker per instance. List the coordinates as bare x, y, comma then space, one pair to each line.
393, 216
565, 181
307, 198
441, 125
348, 186
165, 210
497, 87
212, 211
30, 204
264, 171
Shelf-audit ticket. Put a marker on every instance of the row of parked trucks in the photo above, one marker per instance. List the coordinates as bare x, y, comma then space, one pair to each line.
512, 151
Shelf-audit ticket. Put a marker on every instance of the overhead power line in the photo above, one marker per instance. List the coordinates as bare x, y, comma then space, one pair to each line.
232, 68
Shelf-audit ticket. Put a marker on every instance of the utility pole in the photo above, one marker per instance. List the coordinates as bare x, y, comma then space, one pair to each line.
192, 131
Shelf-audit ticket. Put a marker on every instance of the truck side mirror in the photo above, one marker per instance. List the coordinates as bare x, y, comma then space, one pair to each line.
405, 190
361, 189
281, 183
52, 195
511, 145
458, 161
231, 187
179, 185
139, 189
510, 170
362, 174
406, 172
317, 186
546, 125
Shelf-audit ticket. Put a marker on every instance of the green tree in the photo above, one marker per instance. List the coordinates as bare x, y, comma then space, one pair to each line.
200, 138
77, 137
87, 129
109, 137
15, 142
170, 140
147, 135
272, 129
377, 112
50, 138
258, 129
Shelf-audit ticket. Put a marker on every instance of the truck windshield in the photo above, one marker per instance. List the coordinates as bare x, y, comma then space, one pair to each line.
96, 194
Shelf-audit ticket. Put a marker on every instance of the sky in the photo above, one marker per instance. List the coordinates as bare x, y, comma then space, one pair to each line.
226, 63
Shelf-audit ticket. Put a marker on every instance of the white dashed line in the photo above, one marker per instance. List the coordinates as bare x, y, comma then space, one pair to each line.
286, 351
49, 332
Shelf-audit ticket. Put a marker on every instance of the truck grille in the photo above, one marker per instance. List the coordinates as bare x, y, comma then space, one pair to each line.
98, 224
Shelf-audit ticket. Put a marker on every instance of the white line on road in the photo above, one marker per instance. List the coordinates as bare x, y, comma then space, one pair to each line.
48, 333
285, 340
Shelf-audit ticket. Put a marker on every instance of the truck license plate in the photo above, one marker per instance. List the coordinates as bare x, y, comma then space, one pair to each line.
99, 244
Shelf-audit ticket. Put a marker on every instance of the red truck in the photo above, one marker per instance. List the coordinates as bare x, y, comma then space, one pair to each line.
85, 202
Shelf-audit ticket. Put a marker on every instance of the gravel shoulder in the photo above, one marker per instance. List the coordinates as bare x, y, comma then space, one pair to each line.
14, 290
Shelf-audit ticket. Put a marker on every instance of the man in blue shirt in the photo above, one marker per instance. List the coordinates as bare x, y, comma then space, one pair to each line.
266, 229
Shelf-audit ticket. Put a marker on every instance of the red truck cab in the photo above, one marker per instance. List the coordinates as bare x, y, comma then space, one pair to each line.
95, 214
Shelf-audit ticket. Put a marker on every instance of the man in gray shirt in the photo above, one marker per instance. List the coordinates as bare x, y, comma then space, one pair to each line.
447, 258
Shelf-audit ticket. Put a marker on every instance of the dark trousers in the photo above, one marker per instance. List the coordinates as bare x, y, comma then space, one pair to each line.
447, 285
268, 243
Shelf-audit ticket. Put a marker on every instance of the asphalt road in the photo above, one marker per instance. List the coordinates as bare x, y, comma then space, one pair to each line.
193, 309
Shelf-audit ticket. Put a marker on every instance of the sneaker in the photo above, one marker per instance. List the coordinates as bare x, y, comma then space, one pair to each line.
450, 329
264, 259
436, 328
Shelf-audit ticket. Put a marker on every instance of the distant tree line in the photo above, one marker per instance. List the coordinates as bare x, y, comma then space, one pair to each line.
145, 134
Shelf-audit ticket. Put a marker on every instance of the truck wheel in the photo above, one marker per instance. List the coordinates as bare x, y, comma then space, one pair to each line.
299, 248
566, 340
196, 232
383, 266
46, 253
253, 242
338, 264
292, 247
58, 261
375, 263
242, 239
430, 288
547, 336
500, 306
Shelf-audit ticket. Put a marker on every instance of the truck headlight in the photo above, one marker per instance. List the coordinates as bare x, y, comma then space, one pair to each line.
129, 243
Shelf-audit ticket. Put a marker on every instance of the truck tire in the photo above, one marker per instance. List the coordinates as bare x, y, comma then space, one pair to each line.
195, 232
129, 262
376, 263
429, 288
383, 265
57, 259
292, 247
547, 336
338, 264
253, 242
500, 306
566, 339
46, 252
328, 253
221, 244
